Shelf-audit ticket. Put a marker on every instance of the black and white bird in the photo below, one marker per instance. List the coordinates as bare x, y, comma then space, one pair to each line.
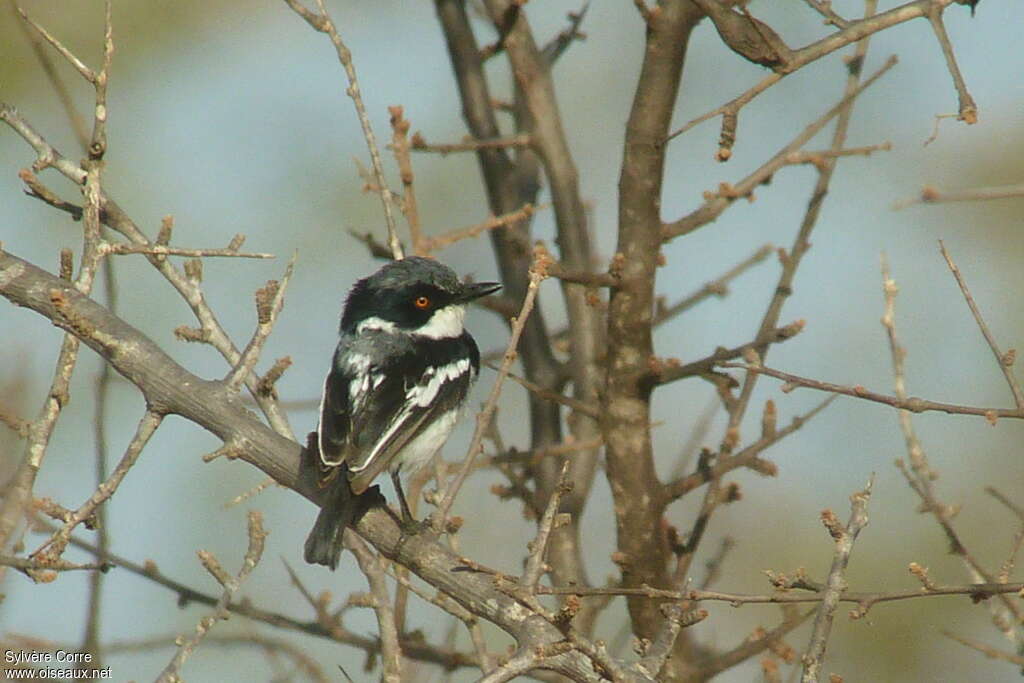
400, 374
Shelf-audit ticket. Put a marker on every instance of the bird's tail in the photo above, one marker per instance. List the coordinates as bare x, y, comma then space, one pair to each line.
323, 545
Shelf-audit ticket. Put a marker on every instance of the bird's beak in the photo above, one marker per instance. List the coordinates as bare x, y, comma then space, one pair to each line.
477, 290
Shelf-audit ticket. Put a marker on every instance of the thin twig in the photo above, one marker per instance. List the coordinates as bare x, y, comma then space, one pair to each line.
676, 371
978, 591
535, 560
400, 146
1004, 361
18, 425
818, 157
548, 395
968, 110
987, 650
1001, 497
716, 203
835, 584
824, 8
483, 420
172, 672
918, 460
470, 145
86, 73
913, 404
718, 287
324, 24
744, 458
119, 248
436, 242
34, 565
930, 195
390, 649
55, 545
269, 301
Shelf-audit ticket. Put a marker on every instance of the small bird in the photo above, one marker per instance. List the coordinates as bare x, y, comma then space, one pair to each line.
400, 374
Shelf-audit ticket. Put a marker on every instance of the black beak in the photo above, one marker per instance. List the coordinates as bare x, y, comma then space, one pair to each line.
477, 290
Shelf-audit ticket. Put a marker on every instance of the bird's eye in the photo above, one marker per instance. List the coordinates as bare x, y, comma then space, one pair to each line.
422, 302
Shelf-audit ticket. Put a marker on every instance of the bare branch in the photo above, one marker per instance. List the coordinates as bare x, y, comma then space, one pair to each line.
535, 560
1004, 361
836, 584
968, 111
718, 287
324, 24
913, 404
54, 547
436, 242
269, 301
715, 204
537, 390
976, 591
171, 673
674, 372
483, 419
86, 73
744, 458
39, 568
824, 8
661, 648
854, 31
119, 248
370, 564
987, 650
470, 144
400, 147
930, 195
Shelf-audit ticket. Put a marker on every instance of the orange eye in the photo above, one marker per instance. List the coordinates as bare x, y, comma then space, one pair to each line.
422, 302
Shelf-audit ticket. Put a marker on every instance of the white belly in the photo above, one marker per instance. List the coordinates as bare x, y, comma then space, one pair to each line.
420, 450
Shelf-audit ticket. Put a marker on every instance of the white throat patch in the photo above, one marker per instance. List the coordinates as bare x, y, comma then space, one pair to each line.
445, 323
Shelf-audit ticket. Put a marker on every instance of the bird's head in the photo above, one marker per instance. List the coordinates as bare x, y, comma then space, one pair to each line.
413, 295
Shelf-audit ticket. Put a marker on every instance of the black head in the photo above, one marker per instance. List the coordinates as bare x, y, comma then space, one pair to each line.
415, 295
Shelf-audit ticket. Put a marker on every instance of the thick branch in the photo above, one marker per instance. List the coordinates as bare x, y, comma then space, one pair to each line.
626, 398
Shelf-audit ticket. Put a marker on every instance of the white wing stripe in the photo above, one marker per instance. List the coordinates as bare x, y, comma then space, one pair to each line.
421, 396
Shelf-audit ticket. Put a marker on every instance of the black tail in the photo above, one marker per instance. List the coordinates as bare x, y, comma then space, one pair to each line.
323, 545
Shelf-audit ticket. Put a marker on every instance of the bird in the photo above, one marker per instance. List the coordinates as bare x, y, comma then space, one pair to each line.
398, 379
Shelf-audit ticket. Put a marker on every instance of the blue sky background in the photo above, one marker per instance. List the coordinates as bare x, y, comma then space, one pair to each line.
233, 118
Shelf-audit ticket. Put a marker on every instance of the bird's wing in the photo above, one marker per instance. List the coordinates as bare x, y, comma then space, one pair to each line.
399, 408
335, 424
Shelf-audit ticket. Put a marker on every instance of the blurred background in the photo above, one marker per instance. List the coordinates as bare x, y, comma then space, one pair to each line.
233, 118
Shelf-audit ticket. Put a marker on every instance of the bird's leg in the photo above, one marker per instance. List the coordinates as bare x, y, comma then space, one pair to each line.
406, 512
410, 526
